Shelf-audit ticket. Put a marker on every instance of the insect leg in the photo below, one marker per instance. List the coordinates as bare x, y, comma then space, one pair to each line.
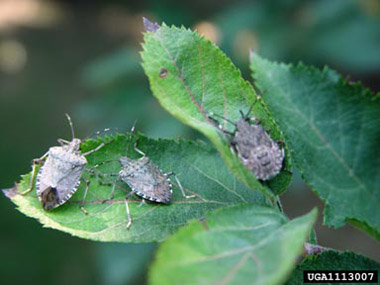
96, 149
216, 122
129, 218
35, 162
142, 202
112, 192
113, 186
92, 169
234, 148
281, 143
107, 174
97, 175
210, 116
137, 150
250, 108
287, 170
219, 126
84, 196
63, 142
180, 185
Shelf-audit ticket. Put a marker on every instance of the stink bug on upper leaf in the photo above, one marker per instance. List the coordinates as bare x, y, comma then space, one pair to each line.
255, 148
59, 176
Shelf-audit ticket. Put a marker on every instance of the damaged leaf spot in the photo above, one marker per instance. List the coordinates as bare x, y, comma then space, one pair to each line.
163, 73
150, 26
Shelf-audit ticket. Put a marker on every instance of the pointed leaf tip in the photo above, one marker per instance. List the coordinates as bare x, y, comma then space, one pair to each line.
196, 164
11, 192
211, 83
150, 26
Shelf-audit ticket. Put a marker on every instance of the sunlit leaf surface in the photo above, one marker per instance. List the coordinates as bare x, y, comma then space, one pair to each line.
238, 245
192, 78
198, 166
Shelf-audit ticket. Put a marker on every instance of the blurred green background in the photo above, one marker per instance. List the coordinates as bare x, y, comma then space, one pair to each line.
82, 57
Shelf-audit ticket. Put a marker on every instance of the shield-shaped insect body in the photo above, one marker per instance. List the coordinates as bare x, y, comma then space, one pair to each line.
146, 179
255, 148
59, 177
60, 174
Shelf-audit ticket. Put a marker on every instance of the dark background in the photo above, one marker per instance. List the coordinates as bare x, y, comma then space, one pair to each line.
82, 57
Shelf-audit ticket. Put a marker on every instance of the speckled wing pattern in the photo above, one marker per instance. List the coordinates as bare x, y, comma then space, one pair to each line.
59, 178
149, 182
258, 151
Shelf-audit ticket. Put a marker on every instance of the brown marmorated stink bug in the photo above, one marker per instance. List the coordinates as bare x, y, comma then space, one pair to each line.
60, 175
145, 179
253, 145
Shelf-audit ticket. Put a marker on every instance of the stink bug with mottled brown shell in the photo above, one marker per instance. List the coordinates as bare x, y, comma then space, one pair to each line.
145, 179
255, 148
60, 175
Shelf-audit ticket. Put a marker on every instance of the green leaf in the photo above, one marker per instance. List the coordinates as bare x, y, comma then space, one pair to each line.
332, 129
332, 260
191, 78
200, 170
243, 244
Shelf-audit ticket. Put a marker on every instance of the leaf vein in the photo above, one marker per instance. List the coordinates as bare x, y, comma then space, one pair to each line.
183, 81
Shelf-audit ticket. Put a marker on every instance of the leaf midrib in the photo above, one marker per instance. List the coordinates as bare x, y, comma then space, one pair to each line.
324, 141
182, 79
237, 250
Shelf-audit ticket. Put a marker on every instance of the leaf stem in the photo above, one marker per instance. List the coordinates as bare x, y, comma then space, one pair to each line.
311, 249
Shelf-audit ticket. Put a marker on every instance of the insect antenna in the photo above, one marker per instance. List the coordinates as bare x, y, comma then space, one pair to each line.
71, 125
221, 117
249, 110
132, 132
